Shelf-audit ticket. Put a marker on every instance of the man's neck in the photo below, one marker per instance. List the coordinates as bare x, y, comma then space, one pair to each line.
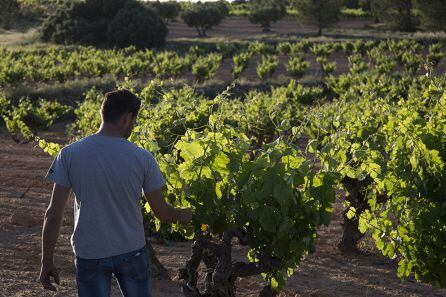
109, 131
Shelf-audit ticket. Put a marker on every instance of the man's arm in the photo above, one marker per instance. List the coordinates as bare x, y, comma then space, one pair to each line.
51, 228
165, 212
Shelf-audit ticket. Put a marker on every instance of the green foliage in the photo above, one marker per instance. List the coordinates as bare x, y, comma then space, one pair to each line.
240, 63
382, 62
267, 66
27, 117
393, 145
61, 63
265, 12
222, 6
257, 47
321, 13
100, 22
435, 55
203, 16
237, 164
399, 14
432, 13
354, 13
297, 66
326, 66
136, 25
8, 10
238, 8
205, 67
322, 52
81, 22
169, 64
209, 164
87, 115
168, 10
37, 9
212, 172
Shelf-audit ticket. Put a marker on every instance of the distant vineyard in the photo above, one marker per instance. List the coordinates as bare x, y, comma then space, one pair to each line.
59, 64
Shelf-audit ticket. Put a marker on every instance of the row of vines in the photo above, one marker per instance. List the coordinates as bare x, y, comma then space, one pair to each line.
61, 63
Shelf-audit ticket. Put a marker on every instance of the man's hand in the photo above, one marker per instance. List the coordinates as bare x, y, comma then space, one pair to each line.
46, 271
51, 228
165, 212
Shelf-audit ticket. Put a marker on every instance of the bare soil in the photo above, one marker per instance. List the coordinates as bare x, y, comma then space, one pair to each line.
240, 27
25, 195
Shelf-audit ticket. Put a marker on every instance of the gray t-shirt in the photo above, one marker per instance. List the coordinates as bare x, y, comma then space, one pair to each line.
107, 175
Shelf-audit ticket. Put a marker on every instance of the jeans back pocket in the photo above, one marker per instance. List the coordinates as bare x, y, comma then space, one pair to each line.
136, 265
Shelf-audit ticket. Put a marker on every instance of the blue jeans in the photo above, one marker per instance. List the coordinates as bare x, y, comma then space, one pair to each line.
132, 271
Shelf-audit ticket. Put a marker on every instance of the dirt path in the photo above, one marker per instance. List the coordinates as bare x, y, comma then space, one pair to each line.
24, 196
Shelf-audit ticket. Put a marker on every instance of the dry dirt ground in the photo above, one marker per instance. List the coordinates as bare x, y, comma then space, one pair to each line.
240, 27
25, 194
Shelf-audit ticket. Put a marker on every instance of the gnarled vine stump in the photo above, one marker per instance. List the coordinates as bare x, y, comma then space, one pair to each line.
221, 272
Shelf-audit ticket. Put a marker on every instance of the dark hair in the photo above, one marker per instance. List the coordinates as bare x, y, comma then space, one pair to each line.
118, 102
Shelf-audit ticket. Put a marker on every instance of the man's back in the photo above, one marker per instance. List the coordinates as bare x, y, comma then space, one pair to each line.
107, 175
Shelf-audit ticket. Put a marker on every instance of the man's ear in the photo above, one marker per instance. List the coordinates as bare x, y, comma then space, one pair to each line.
125, 118
129, 117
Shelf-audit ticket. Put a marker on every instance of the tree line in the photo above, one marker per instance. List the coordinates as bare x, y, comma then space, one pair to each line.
144, 24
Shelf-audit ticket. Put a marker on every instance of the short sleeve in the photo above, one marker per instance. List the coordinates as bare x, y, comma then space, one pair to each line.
153, 177
59, 171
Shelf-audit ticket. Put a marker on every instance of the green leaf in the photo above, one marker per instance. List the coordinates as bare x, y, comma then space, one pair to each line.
274, 283
351, 212
190, 151
269, 220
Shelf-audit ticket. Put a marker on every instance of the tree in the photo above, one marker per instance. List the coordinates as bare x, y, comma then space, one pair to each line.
8, 9
365, 4
203, 16
265, 12
432, 13
321, 13
136, 25
94, 22
168, 11
398, 14
351, 3
81, 22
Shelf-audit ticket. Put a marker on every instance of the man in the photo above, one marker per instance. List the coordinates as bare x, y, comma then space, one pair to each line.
107, 174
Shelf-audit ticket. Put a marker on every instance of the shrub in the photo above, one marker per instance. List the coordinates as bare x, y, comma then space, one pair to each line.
61, 26
265, 12
257, 47
283, 48
222, 6
297, 66
398, 14
356, 63
8, 10
241, 62
326, 66
432, 13
168, 64
353, 13
203, 16
435, 55
267, 66
322, 13
168, 11
136, 25
101, 22
205, 67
